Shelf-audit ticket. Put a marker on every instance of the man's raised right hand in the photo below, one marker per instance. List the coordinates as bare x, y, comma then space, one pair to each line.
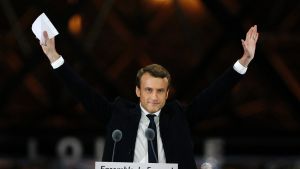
48, 47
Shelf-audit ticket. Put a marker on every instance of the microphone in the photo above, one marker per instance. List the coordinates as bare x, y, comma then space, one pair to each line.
206, 165
116, 136
150, 135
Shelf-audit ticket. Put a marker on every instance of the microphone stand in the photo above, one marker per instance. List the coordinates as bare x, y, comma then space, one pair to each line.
113, 154
152, 147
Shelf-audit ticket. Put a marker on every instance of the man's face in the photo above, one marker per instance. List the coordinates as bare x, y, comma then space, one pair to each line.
153, 92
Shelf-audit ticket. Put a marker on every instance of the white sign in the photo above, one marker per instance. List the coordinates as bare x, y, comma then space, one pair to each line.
122, 165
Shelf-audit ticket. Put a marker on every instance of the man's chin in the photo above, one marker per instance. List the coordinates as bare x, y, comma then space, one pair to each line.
153, 110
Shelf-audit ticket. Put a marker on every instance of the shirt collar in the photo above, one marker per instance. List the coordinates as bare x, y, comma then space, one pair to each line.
145, 112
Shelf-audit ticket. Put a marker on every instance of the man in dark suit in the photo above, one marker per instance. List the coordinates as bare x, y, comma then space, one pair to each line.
172, 140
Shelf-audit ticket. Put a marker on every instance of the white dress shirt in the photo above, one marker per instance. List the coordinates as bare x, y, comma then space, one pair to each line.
141, 143
56, 64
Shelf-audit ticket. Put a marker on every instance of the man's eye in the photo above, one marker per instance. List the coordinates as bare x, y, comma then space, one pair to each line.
160, 91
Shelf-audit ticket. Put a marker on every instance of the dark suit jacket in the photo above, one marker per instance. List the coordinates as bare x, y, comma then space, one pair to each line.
125, 116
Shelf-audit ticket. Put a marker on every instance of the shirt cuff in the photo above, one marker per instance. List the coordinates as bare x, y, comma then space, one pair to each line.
239, 68
56, 64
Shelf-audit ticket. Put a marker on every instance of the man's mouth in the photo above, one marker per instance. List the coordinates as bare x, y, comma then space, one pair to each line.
153, 103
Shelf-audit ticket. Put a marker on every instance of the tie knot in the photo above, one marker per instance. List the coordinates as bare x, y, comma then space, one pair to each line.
151, 116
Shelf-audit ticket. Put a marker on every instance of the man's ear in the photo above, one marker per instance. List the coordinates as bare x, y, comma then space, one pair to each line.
167, 94
137, 91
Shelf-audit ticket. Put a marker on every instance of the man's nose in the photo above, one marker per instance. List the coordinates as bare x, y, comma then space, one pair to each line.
154, 96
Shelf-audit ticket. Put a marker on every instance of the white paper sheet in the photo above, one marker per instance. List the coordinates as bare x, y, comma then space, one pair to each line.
41, 24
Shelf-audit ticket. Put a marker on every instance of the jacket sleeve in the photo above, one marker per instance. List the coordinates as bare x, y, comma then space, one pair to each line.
91, 100
213, 94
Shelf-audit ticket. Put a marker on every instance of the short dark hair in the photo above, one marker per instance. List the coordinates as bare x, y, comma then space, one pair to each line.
154, 70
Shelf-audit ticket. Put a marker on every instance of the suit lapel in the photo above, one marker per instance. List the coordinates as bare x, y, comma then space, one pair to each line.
134, 120
164, 121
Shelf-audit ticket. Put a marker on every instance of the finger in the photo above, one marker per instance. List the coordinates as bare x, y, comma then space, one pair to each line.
256, 37
45, 39
43, 43
243, 43
250, 33
45, 35
52, 40
255, 34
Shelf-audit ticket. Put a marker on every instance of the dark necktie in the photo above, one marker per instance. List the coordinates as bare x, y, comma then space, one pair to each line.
151, 156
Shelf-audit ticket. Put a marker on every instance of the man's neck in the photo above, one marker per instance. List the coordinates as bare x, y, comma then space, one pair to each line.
146, 112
